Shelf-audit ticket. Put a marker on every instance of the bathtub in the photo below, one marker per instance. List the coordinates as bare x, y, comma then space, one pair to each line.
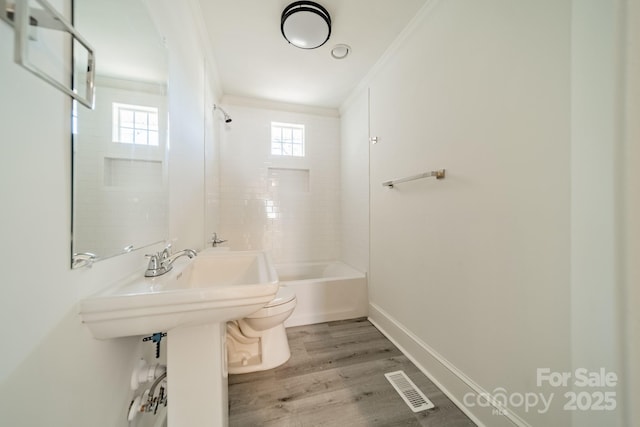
325, 291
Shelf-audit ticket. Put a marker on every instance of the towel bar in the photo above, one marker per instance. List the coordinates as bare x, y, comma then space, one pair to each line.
439, 174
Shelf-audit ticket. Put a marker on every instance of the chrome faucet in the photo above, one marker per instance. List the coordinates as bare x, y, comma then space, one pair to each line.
162, 262
168, 262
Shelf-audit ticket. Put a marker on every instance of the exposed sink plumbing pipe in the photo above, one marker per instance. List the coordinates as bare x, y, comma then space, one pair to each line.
148, 401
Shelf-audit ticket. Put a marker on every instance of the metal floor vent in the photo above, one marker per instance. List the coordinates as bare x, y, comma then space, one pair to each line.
411, 394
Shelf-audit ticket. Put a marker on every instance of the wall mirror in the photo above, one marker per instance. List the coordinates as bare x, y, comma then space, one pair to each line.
120, 148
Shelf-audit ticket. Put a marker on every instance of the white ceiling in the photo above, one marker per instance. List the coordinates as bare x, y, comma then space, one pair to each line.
255, 61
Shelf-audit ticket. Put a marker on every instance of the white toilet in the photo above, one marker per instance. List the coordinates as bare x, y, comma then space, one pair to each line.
259, 341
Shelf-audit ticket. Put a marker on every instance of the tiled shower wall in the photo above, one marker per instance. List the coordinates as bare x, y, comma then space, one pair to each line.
287, 206
120, 189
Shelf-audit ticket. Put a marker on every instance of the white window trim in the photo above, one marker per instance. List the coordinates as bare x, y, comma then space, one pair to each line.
292, 126
116, 107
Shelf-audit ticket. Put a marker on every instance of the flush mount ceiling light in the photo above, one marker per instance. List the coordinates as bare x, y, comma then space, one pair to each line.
305, 24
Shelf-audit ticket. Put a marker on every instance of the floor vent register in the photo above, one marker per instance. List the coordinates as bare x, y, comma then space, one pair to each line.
413, 397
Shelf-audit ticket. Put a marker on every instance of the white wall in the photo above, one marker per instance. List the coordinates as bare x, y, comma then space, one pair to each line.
186, 123
273, 212
53, 372
212, 128
517, 260
596, 170
631, 211
354, 194
471, 274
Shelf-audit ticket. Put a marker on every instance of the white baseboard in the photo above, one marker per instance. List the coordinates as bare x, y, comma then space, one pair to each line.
452, 381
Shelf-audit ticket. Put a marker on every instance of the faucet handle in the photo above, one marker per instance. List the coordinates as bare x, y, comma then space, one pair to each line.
155, 267
154, 261
166, 252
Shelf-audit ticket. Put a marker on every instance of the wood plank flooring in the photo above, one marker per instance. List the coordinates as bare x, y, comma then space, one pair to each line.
335, 377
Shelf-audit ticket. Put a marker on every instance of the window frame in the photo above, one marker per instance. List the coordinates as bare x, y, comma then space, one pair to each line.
117, 126
292, 142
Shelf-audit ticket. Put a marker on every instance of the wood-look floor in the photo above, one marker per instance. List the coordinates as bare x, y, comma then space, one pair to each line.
335, 377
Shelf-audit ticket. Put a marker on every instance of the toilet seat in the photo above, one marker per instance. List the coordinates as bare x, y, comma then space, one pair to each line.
283, 296
284, 301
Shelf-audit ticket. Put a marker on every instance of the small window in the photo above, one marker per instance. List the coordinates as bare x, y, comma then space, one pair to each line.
287, 139
135, 124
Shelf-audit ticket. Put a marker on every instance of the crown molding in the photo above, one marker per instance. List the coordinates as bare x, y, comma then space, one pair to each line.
280, 106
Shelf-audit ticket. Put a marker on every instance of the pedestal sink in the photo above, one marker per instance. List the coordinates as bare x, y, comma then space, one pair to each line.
192, 303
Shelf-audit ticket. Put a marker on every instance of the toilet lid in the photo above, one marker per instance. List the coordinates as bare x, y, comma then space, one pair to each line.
284, 295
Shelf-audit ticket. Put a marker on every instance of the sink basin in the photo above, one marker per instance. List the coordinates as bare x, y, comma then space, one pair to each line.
214, 287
